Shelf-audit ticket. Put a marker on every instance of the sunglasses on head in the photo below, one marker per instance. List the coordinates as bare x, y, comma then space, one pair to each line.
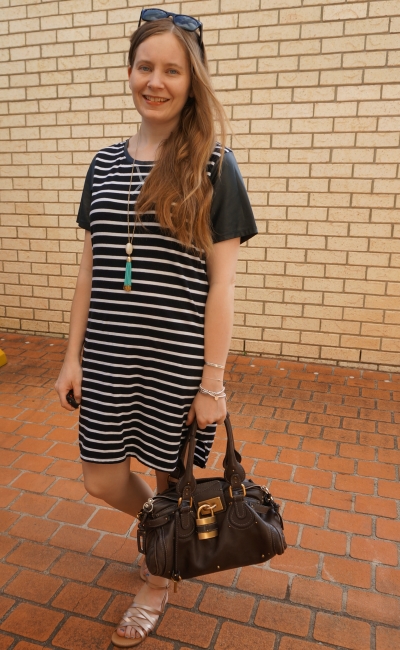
188, 23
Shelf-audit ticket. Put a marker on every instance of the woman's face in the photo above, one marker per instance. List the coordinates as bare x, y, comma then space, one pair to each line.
160, 79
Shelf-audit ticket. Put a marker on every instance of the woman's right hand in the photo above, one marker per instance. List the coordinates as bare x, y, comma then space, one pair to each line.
70, 377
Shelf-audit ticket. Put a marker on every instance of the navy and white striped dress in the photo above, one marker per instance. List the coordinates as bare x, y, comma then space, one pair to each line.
144, 350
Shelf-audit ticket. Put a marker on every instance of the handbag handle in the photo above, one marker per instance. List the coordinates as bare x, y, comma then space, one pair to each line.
233, 471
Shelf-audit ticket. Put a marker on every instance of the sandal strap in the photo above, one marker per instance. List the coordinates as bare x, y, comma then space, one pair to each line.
145, 608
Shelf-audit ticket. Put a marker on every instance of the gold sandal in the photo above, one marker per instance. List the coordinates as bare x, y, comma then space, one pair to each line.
142, 618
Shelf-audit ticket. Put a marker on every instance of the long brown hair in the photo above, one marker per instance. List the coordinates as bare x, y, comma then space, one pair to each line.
178, 187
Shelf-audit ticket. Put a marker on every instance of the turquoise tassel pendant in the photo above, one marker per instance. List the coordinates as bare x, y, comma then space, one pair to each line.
128, 274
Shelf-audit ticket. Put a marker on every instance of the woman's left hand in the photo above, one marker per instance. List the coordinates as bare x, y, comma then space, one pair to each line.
207, 410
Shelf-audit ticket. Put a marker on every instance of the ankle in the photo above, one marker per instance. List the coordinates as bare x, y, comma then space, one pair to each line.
155, 582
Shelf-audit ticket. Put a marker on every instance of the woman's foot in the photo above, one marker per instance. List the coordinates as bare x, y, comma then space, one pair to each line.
144, 613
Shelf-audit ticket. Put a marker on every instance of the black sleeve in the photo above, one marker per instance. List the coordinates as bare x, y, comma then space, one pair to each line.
231, 213
83, 219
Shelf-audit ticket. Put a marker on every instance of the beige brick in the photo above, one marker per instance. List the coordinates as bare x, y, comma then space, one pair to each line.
364, 59
352, 155
385, 8
56, 22
280, 32
387, 186
355, 124
292, 110
312, 125
340, 327
321, 30
291, 140
345, 11
389, 123
24, 80
385, 216
391, 91
276, 64
314, 94
341, 77
41, 38
320, 338
379, 108
239, 35
358, 93
343, 44
252, 18
292, 79
335, 109
293, 350
381, 75
320, 62
383, 274
373, 201
300, 47
334, 139
308, 185
350, 215
368, 26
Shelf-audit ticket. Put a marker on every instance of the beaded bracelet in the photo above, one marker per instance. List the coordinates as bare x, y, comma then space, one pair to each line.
215, 394
214, 365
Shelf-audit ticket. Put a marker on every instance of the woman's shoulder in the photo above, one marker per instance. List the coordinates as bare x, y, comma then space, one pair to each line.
214, 163
111, 153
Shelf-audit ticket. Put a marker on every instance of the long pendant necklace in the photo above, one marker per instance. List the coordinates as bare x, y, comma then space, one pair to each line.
129, 245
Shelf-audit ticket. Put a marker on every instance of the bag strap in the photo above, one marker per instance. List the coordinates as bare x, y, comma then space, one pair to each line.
233, 471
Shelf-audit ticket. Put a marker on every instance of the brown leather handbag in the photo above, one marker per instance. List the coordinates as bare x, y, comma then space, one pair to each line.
204, 526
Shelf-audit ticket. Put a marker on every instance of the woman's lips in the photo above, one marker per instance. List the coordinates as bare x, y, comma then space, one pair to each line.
155, 100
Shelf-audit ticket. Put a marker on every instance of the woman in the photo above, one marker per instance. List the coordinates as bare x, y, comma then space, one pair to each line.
164, 214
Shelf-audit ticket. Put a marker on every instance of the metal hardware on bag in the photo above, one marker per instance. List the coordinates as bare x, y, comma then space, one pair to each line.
265, 489
231, 492
176, 578
148, 506
206, 525
215, 501
180, 502
141, 538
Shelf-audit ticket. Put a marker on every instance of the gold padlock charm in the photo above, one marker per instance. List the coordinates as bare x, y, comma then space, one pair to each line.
206, 525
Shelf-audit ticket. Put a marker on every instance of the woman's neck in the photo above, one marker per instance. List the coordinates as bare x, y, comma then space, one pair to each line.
144, 144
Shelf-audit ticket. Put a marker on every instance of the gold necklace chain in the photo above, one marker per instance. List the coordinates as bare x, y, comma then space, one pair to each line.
129, 245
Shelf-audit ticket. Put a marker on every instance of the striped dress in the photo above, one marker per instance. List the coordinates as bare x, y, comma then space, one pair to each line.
143, 352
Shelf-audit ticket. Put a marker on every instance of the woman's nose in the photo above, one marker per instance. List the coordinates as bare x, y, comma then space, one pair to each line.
155, 80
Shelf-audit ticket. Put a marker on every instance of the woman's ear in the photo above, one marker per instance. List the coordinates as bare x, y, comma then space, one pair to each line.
129, 76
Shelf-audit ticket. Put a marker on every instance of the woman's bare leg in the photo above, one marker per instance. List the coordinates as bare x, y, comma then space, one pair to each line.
117, 485
125, 491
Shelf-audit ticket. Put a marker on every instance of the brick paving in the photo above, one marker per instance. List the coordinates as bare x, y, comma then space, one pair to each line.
326, 440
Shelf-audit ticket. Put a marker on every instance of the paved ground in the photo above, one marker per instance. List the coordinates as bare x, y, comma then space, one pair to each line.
325, 439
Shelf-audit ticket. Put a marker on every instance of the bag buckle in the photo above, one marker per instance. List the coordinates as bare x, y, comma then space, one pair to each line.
206, 526
231, 491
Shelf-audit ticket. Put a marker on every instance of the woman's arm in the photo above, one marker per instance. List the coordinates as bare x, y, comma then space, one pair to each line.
221, 268
71, 372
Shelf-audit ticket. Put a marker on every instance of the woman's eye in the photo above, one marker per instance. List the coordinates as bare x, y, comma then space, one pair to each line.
172, 71
145, 68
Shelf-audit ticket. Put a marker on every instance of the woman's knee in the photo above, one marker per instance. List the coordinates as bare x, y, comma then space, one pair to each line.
101, 481
95, 486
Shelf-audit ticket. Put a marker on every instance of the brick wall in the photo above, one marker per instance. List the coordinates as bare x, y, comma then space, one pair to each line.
313, 91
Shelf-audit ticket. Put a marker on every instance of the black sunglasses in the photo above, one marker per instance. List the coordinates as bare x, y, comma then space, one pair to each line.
188, 23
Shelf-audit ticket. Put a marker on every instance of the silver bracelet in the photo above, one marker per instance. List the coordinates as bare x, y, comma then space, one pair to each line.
215, 394
214, 365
